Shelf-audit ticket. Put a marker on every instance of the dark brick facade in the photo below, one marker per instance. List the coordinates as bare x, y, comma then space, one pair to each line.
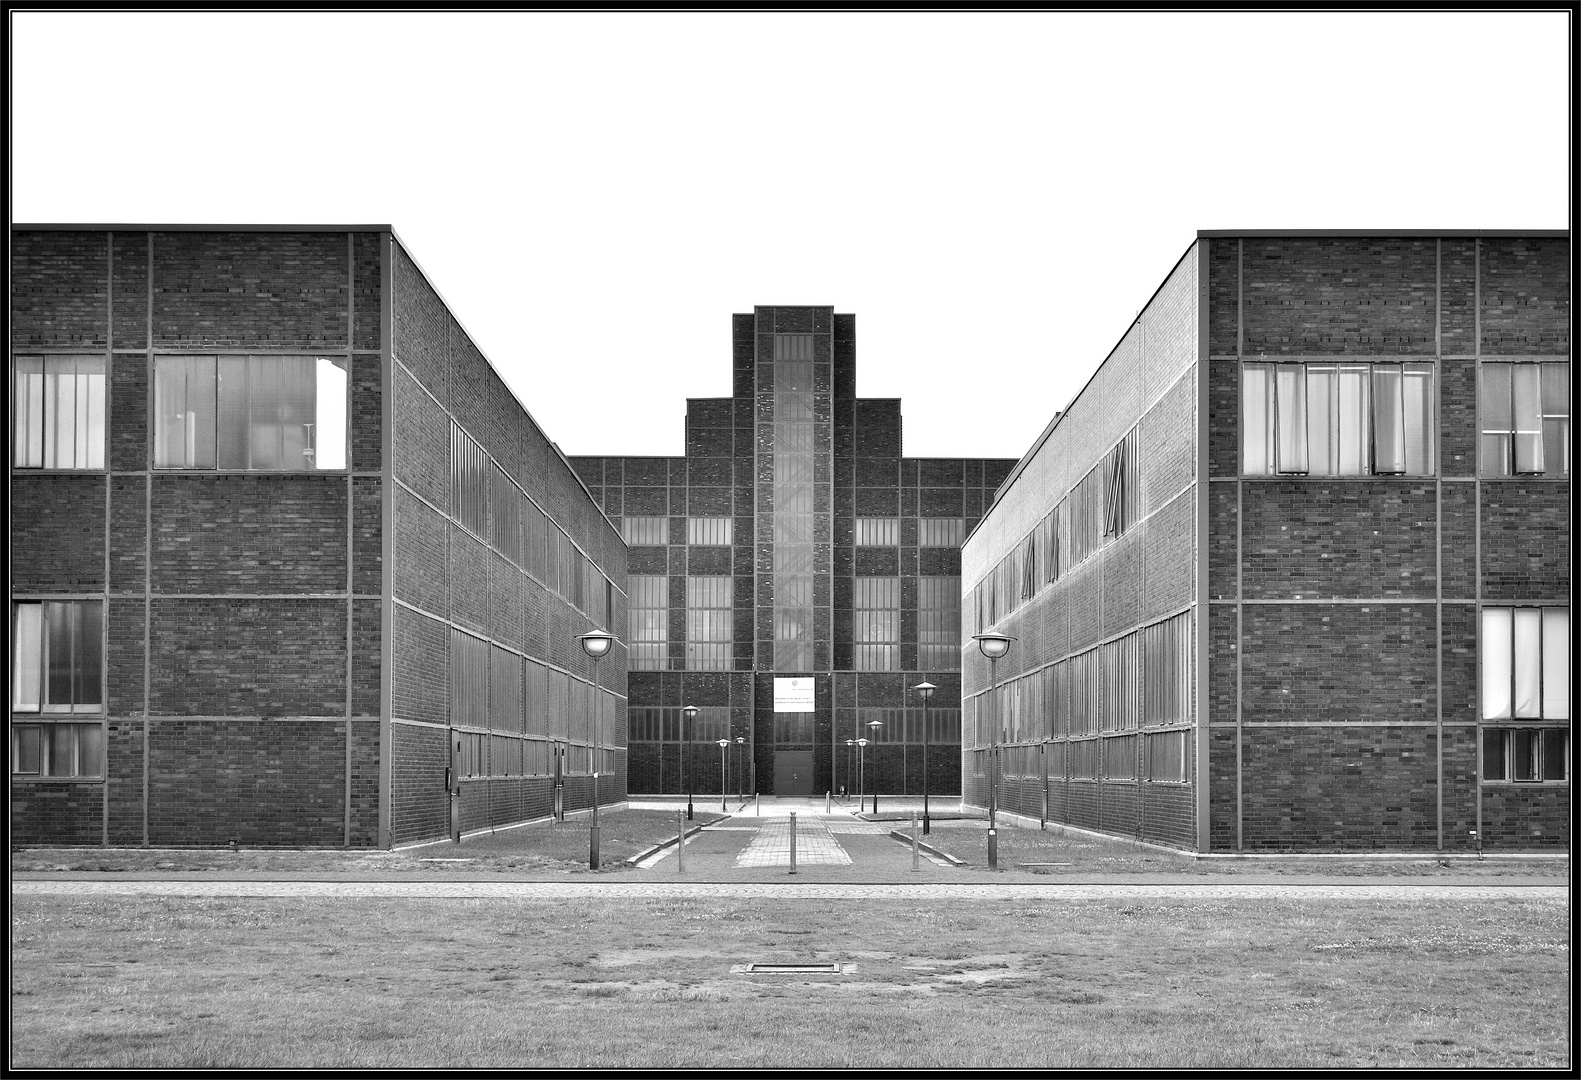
1342, 660
250, 692
728, 471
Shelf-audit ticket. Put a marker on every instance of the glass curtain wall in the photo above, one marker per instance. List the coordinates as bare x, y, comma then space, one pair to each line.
793, 503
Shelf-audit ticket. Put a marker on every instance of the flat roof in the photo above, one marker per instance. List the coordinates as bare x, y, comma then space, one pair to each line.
1546, 233
133, 227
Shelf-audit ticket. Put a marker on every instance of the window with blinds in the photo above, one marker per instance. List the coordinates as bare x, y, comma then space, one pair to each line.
709, 623
876, 624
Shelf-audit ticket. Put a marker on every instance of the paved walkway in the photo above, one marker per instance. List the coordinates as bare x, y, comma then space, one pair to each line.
657, 889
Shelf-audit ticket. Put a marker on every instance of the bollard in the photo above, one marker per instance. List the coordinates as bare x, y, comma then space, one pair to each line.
916, 863
680, 841
793, 842
757, 806
827, 806
993, 849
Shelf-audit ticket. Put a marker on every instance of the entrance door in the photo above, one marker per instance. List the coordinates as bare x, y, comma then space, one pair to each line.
793, 773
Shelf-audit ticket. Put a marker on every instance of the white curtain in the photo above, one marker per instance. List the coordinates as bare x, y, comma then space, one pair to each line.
1556, 663
1496, 658
1257, 420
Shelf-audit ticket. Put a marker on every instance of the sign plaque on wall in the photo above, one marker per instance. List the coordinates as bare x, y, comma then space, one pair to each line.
793, 695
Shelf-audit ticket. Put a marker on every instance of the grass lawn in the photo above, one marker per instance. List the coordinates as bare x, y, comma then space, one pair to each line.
543, 847
132, 982
1078, 854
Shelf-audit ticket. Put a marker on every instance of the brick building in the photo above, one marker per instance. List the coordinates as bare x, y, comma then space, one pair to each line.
290, 564
1293, 569
791, 576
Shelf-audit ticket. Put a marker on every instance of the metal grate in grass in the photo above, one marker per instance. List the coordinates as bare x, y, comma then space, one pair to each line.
793, 969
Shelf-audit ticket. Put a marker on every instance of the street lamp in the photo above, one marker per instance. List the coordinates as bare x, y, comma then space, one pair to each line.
741, 741
861, 788
690, 712
724, 744
925, 691
993, 645
596, 644
875, 725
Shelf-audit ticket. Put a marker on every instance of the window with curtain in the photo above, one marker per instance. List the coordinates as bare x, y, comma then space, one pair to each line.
1337, 419
1525, 419
57, 412
1525, 677
939, 623
709, 623
57, 655
876, 623
648, 615
260, 413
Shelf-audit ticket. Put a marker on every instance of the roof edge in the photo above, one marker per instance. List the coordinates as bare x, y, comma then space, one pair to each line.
1209, 234
145, 227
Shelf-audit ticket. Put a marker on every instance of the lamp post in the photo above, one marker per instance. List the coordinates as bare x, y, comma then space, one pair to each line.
993, 645
724, 745
596, 644
690, 713
741, 741
925, 691
861, 788
875, 725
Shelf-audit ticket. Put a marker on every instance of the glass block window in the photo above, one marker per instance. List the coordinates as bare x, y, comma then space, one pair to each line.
877, 532
645, 531
709, 623
262, 413
1525, 419
57, 412
648, 609
939, 623
714, 531
876, 623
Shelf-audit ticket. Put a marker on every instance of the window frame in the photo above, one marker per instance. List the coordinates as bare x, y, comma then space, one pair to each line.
98, 448
46, 749
1509, 449
43, 646
1277, 444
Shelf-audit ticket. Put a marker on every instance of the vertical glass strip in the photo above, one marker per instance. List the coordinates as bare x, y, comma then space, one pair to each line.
1496, 666
1556, 663
1291, 423
1257, 421
1528, 662
29, 656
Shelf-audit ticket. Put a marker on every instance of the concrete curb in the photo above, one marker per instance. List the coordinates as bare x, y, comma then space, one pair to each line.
905, 838
655, 849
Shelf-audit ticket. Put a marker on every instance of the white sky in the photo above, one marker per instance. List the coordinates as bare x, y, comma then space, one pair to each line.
993, 195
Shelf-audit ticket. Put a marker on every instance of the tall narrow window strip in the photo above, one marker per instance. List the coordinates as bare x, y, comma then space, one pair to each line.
1257, 419
1417, 406
1497, 662
709, 623
1556, 419
876, 623
1388, 419
648, 616
1526, 395
939, 623
1528, 663
1290, 423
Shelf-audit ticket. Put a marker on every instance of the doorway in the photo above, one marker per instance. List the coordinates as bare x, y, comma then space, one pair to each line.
793, 773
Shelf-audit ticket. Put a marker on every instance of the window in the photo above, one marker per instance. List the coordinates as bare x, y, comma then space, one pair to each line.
709, 623
1168, 757
1084, 681
57, 750
939, 623
469, 482
878, 532
58, 658
1166, 671
469, 680
941, 532
714, 531
1526, 419
1029, 566
793, 727
507, 522
262, 413
645, 531
1526, 663
505, 690
58, 412
649, 618
1337, 419
1526, 755
1084, 759
1121, 685
668, 724
1120, 487
535, 538
1119, 757
876, 622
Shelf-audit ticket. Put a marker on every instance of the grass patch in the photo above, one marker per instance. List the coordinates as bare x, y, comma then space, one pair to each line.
543, 847
1086, 855
126, 982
